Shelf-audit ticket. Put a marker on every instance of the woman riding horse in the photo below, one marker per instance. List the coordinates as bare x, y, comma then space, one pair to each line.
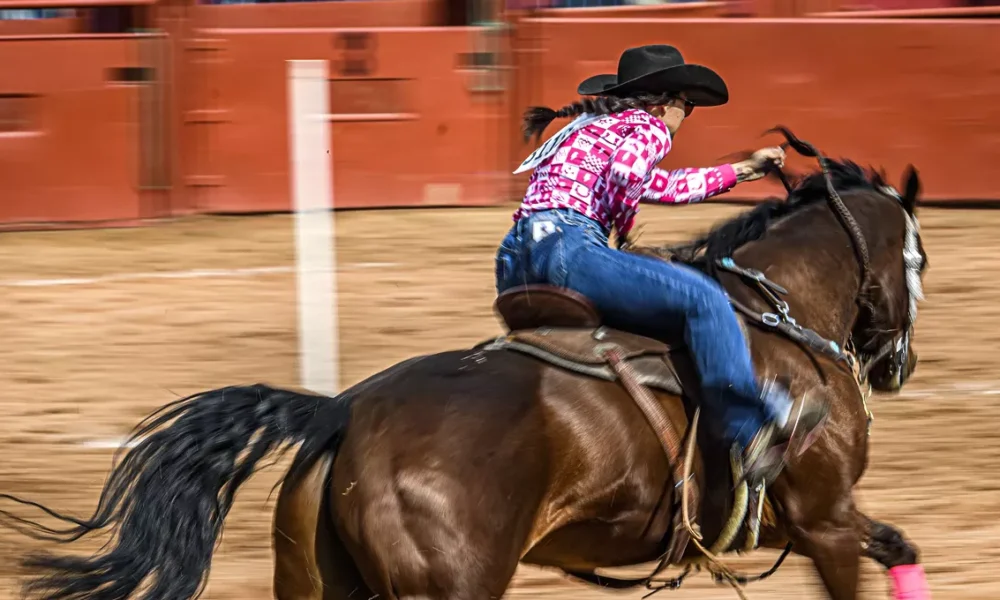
590, 177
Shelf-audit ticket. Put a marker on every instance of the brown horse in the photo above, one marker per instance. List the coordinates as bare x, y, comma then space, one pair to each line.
435, 478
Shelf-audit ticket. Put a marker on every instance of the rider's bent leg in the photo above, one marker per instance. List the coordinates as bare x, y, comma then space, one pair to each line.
639, 293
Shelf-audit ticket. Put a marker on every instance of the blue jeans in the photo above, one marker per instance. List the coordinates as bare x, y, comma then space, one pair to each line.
650, 297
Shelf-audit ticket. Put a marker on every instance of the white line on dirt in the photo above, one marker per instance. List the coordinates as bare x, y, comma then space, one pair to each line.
187, 274
107, 444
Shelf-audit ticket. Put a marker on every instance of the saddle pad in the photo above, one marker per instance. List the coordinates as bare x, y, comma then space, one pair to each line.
586, 346
578, 351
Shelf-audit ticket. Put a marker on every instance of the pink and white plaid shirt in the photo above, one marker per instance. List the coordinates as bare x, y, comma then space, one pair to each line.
604, 170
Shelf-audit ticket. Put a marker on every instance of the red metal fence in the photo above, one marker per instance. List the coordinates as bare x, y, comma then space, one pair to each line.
887, 92
195, 120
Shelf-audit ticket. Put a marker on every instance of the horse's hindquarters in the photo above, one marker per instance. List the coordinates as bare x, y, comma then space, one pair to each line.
441, 473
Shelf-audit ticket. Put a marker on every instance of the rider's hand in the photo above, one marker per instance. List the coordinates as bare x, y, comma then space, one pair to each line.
756, 166
762, 157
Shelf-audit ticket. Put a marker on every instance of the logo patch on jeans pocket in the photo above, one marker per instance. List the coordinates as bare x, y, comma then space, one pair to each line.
542, 229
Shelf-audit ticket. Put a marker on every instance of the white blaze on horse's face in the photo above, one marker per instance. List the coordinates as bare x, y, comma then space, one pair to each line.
913, 262
904, 358
895, 360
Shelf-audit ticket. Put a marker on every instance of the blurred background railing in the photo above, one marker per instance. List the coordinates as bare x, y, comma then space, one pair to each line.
174, 107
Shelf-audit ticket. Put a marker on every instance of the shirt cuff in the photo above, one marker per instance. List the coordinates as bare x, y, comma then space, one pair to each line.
728, 174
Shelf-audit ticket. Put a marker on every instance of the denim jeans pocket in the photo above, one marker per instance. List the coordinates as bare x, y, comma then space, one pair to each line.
545, 248
547, 239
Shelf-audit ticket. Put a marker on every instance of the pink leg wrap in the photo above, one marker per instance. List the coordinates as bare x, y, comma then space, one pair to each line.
909, 583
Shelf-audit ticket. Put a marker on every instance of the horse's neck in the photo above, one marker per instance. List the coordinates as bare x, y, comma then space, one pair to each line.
811, 256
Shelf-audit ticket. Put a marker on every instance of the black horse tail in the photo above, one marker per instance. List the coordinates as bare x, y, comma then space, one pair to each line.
169, 495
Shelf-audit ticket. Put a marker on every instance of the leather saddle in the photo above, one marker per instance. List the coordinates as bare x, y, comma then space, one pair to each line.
564, 328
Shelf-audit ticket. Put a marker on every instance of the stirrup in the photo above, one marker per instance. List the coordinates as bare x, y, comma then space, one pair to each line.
767, 453
762, 459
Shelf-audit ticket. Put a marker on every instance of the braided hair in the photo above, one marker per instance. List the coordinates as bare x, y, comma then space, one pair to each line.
537, 118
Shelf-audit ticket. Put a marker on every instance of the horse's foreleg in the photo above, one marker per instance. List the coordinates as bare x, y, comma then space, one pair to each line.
886, 545
833, 548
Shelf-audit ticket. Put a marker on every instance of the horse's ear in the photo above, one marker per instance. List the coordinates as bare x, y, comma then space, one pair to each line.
911, 189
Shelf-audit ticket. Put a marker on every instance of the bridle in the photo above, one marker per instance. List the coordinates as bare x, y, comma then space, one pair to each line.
897, 349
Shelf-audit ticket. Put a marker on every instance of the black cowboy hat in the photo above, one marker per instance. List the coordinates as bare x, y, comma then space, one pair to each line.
657, 69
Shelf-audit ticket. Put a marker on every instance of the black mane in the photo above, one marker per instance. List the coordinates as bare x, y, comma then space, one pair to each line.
723, 240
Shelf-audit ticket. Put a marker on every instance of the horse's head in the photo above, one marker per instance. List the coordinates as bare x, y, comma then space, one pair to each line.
892, 260
883, 333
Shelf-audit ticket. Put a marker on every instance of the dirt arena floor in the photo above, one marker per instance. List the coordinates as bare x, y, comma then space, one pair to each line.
101, 327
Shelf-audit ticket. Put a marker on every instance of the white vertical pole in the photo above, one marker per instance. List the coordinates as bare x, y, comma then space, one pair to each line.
315, 242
